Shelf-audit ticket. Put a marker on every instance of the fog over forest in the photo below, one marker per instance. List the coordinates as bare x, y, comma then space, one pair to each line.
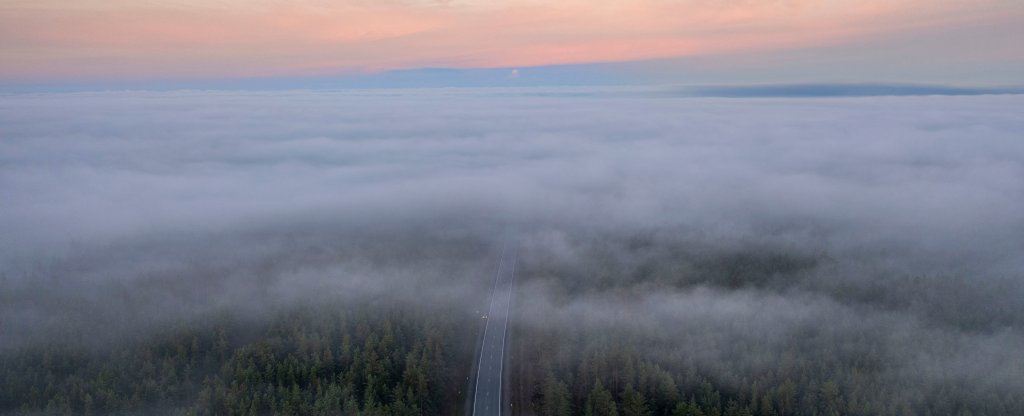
715, 234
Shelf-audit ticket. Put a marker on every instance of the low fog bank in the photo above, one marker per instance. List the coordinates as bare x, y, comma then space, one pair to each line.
700, 223
137, 287
775, 312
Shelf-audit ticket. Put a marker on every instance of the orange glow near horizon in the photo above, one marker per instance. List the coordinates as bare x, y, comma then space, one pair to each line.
92, 39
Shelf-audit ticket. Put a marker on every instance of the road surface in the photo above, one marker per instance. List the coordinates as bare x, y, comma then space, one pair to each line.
487, 397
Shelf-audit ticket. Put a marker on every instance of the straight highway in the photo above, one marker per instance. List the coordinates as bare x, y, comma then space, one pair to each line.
487, 398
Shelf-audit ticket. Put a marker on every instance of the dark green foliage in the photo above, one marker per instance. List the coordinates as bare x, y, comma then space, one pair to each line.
305, 361
634, 403
555, 400
600, 402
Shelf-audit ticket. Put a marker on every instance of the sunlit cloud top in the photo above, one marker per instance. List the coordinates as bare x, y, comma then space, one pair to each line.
45, 40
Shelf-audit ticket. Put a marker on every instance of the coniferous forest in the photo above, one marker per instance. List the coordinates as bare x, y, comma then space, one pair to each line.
593, 334
616, 350
299, 325
306, 361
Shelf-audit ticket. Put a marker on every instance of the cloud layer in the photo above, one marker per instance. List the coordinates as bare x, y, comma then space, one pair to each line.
939, 172
891, 219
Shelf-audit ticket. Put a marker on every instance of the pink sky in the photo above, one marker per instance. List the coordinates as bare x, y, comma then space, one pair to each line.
152, 39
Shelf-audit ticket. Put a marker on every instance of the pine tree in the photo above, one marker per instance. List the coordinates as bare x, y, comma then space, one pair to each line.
556, 397
687, 409
634, 403
600, 402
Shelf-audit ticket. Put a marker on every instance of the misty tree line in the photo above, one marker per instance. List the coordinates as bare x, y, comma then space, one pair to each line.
581, 368
390, 357
623, 384
619, 381
306, 361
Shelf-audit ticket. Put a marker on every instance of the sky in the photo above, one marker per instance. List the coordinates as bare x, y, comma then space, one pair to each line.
211, 43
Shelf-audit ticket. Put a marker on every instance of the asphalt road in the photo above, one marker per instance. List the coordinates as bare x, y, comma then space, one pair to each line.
487, 398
